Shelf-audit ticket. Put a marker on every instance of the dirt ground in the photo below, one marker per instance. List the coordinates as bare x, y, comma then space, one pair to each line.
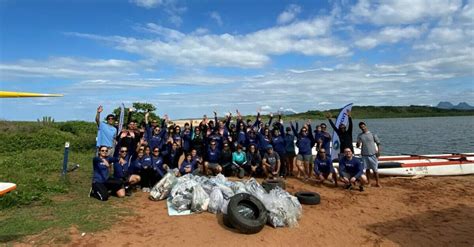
431, 211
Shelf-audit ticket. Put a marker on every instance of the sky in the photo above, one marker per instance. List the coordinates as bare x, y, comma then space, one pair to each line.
190, 58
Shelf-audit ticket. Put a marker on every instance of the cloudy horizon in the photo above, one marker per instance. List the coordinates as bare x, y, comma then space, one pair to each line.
189, 59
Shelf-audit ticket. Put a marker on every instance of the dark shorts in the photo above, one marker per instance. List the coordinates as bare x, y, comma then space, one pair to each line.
101, 190
305, 158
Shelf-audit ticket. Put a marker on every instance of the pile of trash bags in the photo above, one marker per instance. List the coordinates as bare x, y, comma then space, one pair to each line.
200, 194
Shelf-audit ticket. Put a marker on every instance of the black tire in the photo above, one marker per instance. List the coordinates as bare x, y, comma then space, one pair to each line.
308, 198
271, 184
247, 224
226, 221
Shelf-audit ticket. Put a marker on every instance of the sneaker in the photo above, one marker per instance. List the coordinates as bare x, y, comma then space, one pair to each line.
361, 188
128, 191
90, 193
145, 189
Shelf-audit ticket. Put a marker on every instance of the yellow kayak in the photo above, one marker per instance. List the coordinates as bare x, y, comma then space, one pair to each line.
7, 94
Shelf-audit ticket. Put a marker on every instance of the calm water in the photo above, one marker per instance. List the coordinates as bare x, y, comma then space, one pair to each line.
419, 135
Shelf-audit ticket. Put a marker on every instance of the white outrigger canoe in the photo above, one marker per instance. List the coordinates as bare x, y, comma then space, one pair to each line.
422, 165
427, 165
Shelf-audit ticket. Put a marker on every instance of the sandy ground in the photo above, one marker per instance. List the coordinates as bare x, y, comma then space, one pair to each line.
432, 211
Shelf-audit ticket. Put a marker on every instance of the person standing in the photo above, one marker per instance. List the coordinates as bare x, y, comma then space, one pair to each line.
290, 151
325, 138
106, 132
344, 132
370, 151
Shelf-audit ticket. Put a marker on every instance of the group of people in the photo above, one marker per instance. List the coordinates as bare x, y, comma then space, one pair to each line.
143, 155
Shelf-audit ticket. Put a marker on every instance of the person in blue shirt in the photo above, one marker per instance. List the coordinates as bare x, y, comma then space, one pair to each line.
188, 165
123, 171
211, 163
305, 143
157, 165
351, 170
279, 144
142, 166
155, 134
325, 138
186, 136
102, 184
197, 159
172, 158
323, 167
290, 150
198, 141
106, 132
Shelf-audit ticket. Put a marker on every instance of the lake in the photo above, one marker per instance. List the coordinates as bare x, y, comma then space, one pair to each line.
428, 135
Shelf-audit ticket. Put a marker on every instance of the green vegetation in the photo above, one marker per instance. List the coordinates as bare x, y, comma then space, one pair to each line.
31, 156
139, 113
367, 112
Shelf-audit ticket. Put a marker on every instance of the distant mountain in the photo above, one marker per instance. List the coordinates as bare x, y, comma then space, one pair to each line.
449, 105
445, 105
464, 106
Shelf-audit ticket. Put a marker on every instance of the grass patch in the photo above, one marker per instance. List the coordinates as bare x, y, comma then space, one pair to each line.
45, 202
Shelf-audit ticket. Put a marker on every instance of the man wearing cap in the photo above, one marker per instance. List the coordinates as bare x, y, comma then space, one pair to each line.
370, 151
271, 163
106, 132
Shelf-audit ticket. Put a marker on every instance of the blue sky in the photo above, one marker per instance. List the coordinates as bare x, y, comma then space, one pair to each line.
190, 58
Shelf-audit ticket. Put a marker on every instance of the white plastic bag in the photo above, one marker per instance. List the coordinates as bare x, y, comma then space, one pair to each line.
216, 199
200, 200
163, 188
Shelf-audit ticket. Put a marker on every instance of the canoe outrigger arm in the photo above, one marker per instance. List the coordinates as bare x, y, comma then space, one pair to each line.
8, 94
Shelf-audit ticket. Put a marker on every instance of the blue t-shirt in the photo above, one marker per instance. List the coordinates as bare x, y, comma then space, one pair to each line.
353, 167
100, 170
157, 163
323, 166
106, 135
213, 155
191, 164
121, 171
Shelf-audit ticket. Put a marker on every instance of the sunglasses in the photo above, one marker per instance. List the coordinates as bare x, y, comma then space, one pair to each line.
104, 150
156, 151
123, 151
322, 152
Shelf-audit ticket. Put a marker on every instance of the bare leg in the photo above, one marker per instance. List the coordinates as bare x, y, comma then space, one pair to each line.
367, 174
377, 181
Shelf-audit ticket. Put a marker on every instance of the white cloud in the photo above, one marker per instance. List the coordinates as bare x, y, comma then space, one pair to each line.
67, 67
147, 3
217, 17
253, 50
289, 14
389, 35
402, 11
170, 7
